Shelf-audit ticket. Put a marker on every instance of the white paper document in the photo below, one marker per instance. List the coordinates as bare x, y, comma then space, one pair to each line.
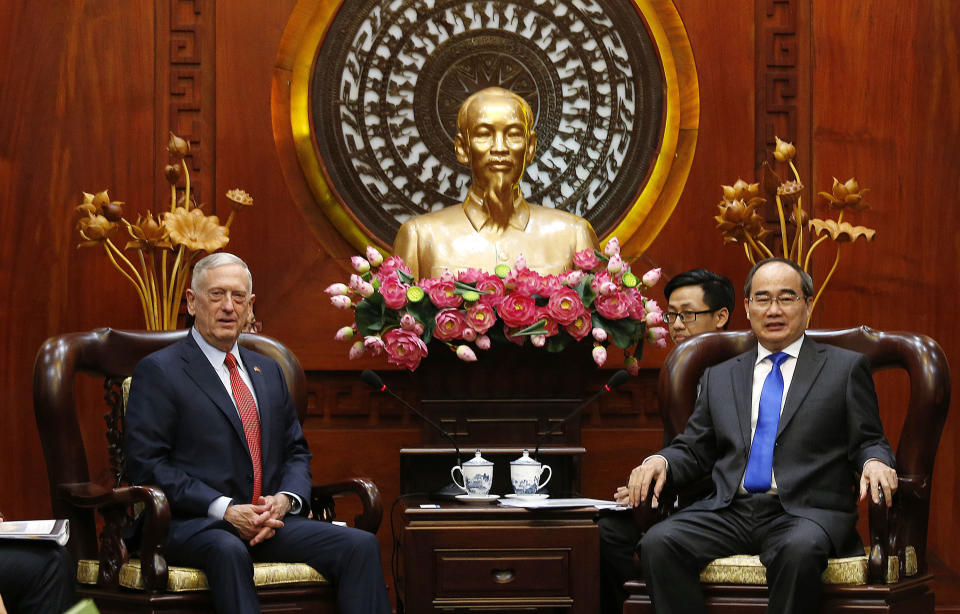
54, 530
532, 504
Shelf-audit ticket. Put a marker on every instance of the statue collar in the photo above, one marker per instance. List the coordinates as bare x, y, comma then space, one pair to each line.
476, 211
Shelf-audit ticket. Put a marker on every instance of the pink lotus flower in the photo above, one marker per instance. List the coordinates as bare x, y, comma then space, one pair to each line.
651, 277
651, 305
374, 256
470, 276
517, 310
581, 326
635, 304
408, 322
465, 354
359, 264
373, 344
442, 295
599, 334
656, 333
549, 285
468, 334
660, 343
520, 262
355, 281
632, 365
365, 290
564, 306
450, 324
337, 289
418, 328
480, 317
344, 334
494, 286
394, 293
603, 283
341, 302
612, 248
538, 340
612, 306
404, 348
549, 323
391, 264
654, 318
483, 342
525, 281
599, 355
573, 278
356, 350
615, 264
585, 260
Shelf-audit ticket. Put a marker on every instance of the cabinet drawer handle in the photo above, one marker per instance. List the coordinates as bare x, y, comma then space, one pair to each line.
503, 576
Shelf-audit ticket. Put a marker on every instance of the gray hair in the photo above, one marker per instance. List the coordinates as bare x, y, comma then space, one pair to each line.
806, 282
214, 261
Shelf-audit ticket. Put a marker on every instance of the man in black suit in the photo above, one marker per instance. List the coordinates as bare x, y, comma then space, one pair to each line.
698, 301
212, 424
783, 430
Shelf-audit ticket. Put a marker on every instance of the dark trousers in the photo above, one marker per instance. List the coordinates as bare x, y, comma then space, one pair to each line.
350, 558
36, 577
619, 540
793, 549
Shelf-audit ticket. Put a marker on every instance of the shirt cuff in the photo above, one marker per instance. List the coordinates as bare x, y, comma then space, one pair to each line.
665, 461
218, 508
295, 504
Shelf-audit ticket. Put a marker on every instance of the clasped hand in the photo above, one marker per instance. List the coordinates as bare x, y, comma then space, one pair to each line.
258, 522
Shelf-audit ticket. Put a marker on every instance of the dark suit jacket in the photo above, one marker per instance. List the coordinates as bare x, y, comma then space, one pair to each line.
184, 435
829, 428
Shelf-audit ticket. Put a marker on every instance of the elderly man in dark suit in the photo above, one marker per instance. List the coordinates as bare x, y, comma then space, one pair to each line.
212, 424
783, 429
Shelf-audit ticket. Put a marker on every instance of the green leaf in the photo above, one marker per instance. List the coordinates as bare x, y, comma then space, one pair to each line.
559, 342
622, 333
369, 317
405, 277
585, 290
537, 328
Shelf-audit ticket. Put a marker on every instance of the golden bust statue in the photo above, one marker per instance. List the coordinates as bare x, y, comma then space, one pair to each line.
494, 225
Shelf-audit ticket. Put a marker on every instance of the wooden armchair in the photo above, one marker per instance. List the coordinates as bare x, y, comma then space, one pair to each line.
144, 583
896, 566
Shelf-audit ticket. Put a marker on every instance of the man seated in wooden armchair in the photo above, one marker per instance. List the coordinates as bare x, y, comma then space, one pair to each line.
783, 429
177, 388
213, 426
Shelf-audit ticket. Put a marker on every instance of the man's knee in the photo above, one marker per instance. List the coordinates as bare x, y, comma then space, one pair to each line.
228, 549
800, 555
656, 543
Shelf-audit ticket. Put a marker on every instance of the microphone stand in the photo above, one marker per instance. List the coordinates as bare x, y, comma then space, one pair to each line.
615, 380
374, 381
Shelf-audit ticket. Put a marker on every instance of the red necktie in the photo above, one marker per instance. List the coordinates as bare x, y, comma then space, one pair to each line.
251, 422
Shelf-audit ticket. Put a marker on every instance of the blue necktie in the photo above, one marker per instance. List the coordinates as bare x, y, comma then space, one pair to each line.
760, 463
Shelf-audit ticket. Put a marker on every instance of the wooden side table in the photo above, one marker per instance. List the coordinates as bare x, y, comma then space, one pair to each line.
460, 558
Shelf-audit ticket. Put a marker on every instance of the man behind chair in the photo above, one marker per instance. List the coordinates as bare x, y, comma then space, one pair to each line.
212, 424
698, 301
783, 430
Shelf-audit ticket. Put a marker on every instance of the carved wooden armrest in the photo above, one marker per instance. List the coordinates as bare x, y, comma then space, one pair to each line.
112, 504
322, 496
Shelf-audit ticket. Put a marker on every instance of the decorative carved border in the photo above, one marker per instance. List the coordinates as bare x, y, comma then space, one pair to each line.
186, 84
783, 83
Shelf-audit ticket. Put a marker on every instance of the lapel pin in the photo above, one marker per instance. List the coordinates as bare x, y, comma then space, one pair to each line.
256, 369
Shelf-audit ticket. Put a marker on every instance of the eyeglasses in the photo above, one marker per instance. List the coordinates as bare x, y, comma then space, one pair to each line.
785, 301
218, 294
685, 317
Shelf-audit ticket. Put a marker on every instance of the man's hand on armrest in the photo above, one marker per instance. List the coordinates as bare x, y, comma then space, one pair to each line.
877, 475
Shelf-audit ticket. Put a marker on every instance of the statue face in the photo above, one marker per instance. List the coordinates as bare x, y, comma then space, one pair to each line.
495, 142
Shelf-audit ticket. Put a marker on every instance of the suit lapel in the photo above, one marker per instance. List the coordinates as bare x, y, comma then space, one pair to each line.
742, 375
199, 369
255, 370
809, 363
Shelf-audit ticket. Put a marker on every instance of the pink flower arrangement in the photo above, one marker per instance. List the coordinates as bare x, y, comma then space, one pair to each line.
600, 300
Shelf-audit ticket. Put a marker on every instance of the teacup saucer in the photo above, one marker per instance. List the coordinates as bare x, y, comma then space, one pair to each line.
468, 498
533, 496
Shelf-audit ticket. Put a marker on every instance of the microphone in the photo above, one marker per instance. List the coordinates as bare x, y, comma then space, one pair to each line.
373, 380
615, 380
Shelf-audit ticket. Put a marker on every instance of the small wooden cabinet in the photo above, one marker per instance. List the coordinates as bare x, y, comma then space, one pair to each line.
459, 558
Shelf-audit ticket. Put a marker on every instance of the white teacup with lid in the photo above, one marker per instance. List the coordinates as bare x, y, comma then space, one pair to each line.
477, 476
525, 474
